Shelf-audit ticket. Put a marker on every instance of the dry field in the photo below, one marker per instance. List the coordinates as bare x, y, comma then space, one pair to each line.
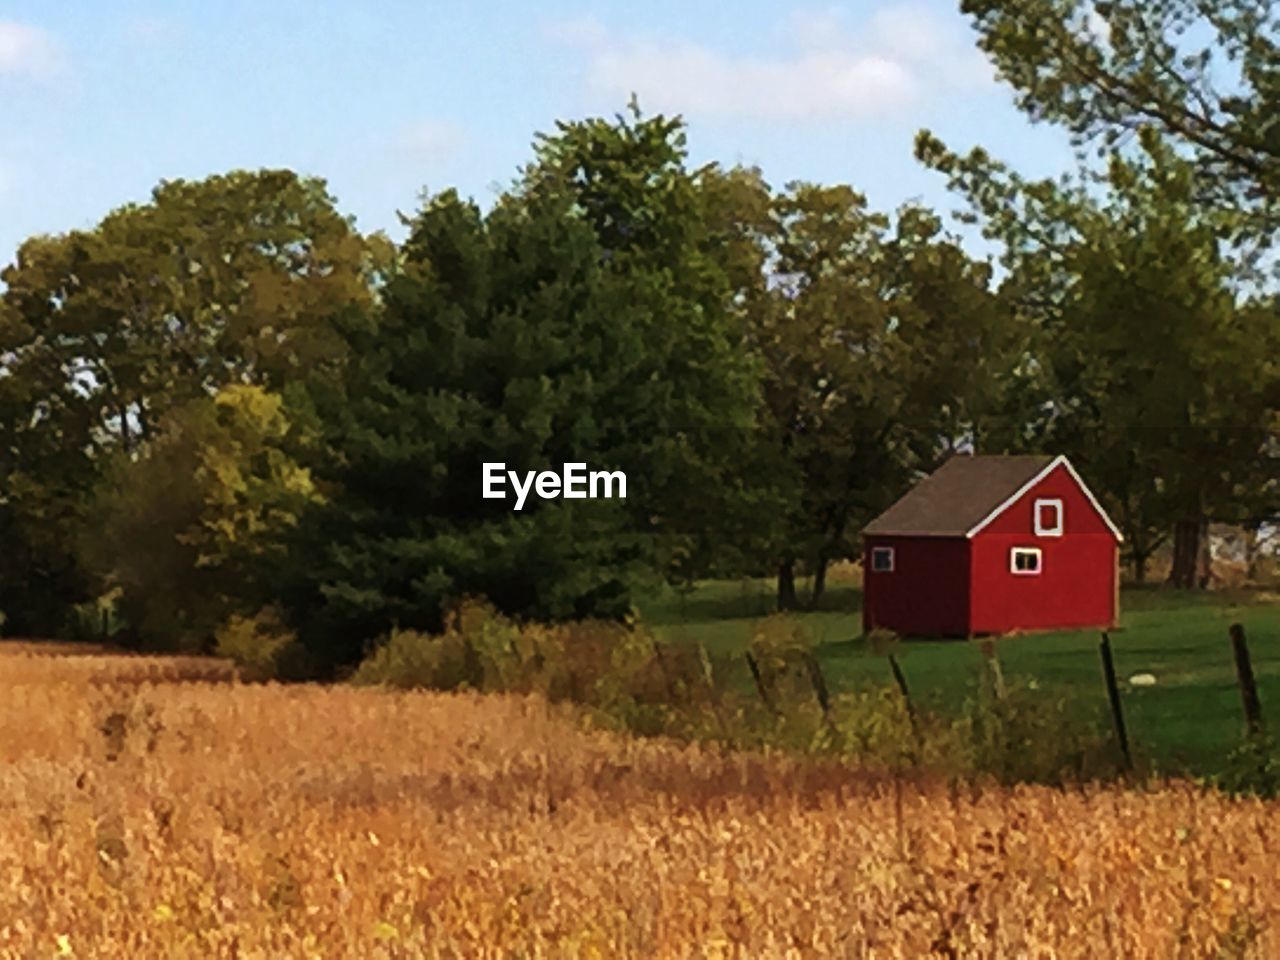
148, 809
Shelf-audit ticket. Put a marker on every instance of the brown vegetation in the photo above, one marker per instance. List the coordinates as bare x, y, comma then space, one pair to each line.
179, 817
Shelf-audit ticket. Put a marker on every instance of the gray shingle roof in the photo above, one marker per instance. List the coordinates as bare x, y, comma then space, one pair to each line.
958, 495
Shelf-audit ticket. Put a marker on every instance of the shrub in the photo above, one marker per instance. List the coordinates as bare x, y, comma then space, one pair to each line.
779, 645
94, 619
261, 645
1032, 734
410, 659
1252, 768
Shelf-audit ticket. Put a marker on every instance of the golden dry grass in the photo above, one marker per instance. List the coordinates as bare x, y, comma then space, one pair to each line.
172, 817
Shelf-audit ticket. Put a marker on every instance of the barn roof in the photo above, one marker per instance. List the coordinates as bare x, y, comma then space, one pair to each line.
959, 495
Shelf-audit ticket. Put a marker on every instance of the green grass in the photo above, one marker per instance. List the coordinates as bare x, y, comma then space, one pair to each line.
1187, 722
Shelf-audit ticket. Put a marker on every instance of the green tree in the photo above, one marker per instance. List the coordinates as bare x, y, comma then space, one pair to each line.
228, 280
1154, 363
1202, 73
884, 351
195, 529
584, 319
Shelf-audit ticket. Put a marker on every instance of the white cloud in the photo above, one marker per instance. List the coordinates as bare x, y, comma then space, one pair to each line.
28, 51
430, 140
827, 67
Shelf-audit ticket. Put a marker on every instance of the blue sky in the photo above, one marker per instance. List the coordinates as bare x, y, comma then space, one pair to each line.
99, 101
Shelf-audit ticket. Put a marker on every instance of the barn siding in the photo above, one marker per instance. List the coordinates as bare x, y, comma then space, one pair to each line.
1077, 585
928, 591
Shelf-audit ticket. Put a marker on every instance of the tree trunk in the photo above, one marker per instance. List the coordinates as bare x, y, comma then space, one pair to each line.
1186, 553
1204, 574
1252, 553
787, 585
819, 583
1138, 564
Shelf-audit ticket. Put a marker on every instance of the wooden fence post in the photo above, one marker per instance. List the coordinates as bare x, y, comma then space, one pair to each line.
993, 668
1113, 697
906, 696
761, 687
1244, 676
708, 672
819, 684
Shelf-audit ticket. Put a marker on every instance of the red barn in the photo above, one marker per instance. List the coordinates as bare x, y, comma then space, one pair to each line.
991, 545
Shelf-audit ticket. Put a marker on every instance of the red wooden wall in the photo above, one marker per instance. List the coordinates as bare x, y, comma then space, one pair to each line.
956, 586
927, 593
1076, 586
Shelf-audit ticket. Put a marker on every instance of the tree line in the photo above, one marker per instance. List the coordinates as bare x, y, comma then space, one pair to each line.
228, 403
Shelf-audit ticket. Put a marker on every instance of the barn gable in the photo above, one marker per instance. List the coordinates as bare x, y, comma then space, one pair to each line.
1024, 492
968, 493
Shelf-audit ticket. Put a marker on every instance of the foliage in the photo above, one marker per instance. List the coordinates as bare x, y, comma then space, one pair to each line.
1252, 768
205, 511
629, 681
1174, 428
1199, 74
583, 319
261, 645
615, 668
1028, 734
104, 332
883, 351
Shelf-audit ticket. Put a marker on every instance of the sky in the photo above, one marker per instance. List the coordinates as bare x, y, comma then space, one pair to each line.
384, 99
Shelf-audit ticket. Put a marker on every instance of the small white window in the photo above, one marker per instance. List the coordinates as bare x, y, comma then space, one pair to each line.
882, 559
1048, 518
1025, 561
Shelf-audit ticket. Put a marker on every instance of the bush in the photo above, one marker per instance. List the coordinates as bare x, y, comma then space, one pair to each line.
409, 659
261, 645
93, 620
1253, 768
628, 680
1030, 734
779, 645
619, 670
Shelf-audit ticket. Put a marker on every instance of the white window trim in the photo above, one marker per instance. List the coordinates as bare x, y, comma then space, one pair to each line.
893, 556
1054, 531
1013, 561
1058, 461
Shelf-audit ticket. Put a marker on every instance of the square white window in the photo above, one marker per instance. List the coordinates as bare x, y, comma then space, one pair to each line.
882, 559
1025, 561
1048, 518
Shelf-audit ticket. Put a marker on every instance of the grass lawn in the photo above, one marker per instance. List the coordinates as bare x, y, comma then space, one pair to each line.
1187, 722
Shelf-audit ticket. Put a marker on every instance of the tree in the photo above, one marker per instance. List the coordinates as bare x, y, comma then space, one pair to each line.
194, 530
1152, 359
883, 349
233, 279
691, 387
1201, 74
583, 319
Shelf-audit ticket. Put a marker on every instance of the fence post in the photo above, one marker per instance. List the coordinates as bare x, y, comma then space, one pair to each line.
1244, 676
1113, 697
819, 684
662, 668
993, 668
708, 671
761, 687
906, 696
